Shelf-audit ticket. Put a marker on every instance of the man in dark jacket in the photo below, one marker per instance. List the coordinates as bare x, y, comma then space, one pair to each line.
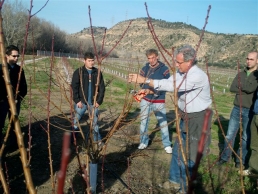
84, 89
12, 55
244, 86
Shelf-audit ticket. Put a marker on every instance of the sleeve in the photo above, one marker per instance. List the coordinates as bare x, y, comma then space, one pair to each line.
184, 82
166, 73
101, 90
164, 84
76, 86
234, 87
244, 84
250, 85
23, 85
191, 81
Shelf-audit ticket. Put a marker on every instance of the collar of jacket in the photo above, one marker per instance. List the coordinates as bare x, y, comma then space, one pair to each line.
94, 69
245, 69
157, 65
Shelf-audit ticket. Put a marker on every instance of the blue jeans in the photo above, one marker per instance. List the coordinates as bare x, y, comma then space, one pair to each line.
233, 127
160, 113
177, 172
79, 112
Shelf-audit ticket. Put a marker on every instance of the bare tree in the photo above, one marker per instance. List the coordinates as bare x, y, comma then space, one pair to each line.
14, 21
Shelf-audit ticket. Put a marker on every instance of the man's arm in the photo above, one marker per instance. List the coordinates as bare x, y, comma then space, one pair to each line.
23, 85
250, 85
76, 86
136, 78
234, 85
245, 85
101, 91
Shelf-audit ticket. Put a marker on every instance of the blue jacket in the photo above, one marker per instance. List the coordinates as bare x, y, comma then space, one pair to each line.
160, 71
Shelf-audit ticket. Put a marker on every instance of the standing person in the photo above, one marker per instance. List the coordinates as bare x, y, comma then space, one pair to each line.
193, 100
12, 56
244, 86
84, 88
154, 69
253, 164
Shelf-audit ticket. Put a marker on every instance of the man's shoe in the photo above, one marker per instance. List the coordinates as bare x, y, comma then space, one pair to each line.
246, 172
142, 146
168, 149
220, 162
171, 185
100, 145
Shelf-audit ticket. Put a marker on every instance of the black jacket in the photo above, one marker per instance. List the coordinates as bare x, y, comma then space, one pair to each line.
14, 74
80, 84
248, 86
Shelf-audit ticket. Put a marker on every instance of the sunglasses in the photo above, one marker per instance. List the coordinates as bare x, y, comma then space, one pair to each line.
14, 56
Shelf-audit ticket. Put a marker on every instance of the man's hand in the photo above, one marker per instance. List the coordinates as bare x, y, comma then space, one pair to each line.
136, 78
96, 105
79, 104
145, 91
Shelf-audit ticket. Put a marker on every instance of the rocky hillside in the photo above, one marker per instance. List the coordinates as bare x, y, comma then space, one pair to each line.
220, 49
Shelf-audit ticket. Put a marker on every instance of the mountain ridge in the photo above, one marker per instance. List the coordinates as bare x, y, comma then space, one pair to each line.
217, 48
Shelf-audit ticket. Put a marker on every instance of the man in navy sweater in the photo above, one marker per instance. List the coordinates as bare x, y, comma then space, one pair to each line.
154, 69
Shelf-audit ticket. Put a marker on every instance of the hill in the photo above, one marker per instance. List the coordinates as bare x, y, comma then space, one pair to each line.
220, 49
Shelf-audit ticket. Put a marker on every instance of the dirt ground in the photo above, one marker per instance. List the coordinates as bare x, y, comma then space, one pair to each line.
122, 168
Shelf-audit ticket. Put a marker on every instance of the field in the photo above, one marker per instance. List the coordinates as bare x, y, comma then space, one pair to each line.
122, 168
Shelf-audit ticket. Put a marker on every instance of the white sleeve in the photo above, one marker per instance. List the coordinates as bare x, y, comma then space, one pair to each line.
164, 84
192, 81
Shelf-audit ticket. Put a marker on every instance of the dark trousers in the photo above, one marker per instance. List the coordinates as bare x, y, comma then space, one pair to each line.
4, 110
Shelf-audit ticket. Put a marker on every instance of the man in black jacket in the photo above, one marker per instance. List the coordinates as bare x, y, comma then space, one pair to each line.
84, 89
12, 55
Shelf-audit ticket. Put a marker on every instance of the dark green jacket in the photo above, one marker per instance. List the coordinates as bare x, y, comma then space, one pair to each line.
245, 88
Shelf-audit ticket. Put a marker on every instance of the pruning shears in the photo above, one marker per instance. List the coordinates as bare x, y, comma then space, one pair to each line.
137, 96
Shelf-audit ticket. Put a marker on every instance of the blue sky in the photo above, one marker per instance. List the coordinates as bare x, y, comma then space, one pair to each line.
226, 16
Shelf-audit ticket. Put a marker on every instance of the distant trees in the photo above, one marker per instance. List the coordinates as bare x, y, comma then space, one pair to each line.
14, 21
15, 17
